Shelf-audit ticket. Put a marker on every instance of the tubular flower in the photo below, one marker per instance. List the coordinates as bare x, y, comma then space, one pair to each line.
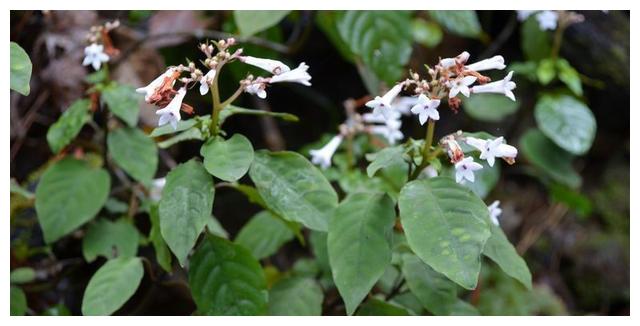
451, 62
151, 89
382, 105
323, 155
390, 128
505, 86
465, 168
298, 75
490, 149
426, 108
494, 212
273, 66
495, 62
258, 89
206, 81
171, 113
94, 55
461, 85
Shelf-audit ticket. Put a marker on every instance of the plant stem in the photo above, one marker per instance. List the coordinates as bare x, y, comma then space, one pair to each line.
426, 149
215, 95
557, 40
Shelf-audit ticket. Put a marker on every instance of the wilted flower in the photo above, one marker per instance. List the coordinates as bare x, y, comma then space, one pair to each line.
426, 108
490, 149
382, 105
323, 155
171, 113
206, 81
494, 212
298, 75
150, 89
461, 85
94, 55
495, 62
504, 86
465, 168
273, 66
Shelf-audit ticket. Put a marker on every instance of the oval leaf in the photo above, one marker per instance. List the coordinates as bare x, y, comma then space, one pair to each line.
264, 234
294, 188
489, 107
17, 301
551, 159
436, 293
567, 122
69, 194
502, 252
111, 286
63, 131
110, 240
254, 21
123, 101
226, 280
134, 152
295, 296
359, 245
20, 69
185, 207
228, 159
445, 226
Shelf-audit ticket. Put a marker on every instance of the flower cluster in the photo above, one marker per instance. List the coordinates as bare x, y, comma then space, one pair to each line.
100, 47
162, 93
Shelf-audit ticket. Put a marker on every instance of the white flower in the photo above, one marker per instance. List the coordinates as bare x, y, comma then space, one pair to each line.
490, 149
426, 108
206, 81
524, 14
323, 155
257, 89
150, 89
298, 75
155, 192
495, 211
450, 62
461, 85
403, 104
390, 133
382, 105
94, 55
496, 62
273, 66
504, 86
390, 128
171, 113
547, 20
464, 169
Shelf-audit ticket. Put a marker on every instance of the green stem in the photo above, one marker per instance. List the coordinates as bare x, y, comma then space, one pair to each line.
557, 40
232, 97
426, 149
215, 95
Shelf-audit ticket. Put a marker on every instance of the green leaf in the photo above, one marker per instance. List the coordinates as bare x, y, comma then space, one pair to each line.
318, 241
387, 157
436, 293
535, 43
189, 134
228, 159
20, 69
134, 152
163, 256
231, 110
57, 310
69, 194
185, 207
489, 107
264, 235
214, 227
294, 188
110, 240
426, 33
546, 71
569, 76
115, 206
98, 76
254, 21
295, 296
63, 131
445, 226
123, 101
578, 202
463, 308
22, 275
460, 22
181, 126
567, 122
111, 286
500, 250
548, 157
327, 22
377, 307
382, 39
17, 302
359, 244
226, 280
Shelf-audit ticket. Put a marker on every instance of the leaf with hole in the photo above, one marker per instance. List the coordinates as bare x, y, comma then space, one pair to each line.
226, 280
445, 226
110, 240
185, 207
70, 193
359, 244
